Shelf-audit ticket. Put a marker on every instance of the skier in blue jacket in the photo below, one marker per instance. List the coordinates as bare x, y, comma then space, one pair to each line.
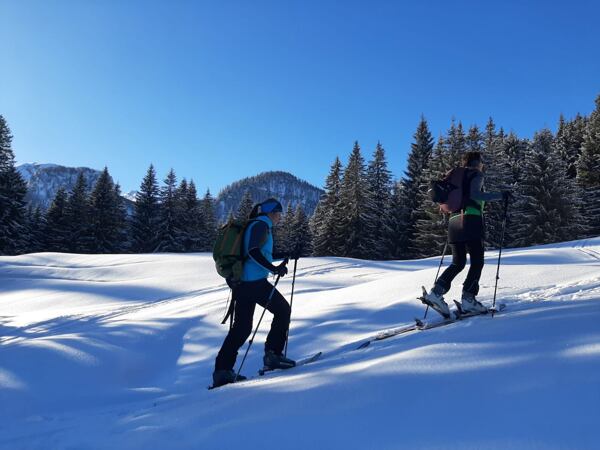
255, 288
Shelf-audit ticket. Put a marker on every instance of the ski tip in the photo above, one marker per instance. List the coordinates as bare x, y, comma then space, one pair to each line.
364, 345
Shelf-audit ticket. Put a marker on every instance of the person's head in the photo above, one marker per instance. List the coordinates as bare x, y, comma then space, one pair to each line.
472, 160
272, 209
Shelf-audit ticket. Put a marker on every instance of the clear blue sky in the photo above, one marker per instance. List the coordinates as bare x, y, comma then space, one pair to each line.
226, 89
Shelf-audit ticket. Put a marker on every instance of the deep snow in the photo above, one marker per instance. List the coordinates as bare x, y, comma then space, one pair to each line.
116, 351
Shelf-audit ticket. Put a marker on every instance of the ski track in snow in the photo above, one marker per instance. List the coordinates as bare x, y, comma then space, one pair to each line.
118, 371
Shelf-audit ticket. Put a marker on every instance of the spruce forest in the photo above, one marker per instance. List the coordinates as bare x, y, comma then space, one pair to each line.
366, 212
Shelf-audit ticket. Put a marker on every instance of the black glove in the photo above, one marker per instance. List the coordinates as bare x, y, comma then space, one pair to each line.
507, 195
295, 254
281, 269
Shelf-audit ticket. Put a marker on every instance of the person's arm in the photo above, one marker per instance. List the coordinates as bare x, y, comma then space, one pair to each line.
258, 235
477, 195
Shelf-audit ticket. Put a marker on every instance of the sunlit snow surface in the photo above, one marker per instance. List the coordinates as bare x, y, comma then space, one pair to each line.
116, 351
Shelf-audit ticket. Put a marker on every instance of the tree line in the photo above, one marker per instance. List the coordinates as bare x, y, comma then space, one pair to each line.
364, 212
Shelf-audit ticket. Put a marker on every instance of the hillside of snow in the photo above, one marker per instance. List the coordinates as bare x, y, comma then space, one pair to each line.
116, 351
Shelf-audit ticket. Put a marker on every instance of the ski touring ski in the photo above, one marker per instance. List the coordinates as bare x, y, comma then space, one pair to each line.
302, 362
264, 370
422, 325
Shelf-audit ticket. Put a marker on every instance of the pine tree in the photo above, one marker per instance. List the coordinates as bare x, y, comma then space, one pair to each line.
498, 177
431, 225
77, 213
588, 171
122, 225
300, 234
183, 217
547, 203
325, 240
474, 141
456, 146
355, 226
195, 220
105, 222
56, 233
36, 226
13, 230
169, 232
245, 207
399, 216
407, 201
283, 232
209, 222
380, 186
146, 215
569, 141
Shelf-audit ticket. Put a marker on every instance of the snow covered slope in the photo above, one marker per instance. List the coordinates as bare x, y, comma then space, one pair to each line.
116, 351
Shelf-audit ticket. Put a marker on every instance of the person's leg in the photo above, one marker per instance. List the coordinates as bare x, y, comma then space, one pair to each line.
476, 261
459, 259
280, 309
242, 326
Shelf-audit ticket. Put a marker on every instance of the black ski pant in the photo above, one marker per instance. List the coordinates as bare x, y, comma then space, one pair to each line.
459, 260
246, 295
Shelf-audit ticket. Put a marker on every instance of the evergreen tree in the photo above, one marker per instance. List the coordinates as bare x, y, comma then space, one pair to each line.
399, 216
77, 213
146, 215
431, 225
56, 233
36, 226
300, 234
588, 171
105, 221
283, 232
122, 224
474, 141
380, 186
407, 204
209, 222
195, 233
355, 226
182, 217
169, 231
569, 141
455, 145
13, 230
245, 207
547, 203
325, 240
499, 176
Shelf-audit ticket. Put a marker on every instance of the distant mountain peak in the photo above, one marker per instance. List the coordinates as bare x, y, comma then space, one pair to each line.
284, 186
44, 181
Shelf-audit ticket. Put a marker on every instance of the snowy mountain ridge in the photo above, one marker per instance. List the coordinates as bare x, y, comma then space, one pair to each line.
44, 181
116, 351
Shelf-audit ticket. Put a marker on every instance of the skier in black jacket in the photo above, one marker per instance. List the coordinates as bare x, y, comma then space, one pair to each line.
466, 233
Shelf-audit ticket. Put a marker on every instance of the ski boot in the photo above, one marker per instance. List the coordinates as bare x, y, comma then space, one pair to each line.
435, 299
274, 361
470, 305
223, 377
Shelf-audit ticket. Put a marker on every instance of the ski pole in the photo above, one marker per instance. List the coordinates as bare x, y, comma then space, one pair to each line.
291, 304
258, 325
500, 253
438, 272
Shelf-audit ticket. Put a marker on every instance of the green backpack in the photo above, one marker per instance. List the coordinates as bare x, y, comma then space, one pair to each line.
227, 251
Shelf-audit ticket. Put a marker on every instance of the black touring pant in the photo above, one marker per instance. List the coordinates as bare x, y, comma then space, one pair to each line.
459, 259
247, 294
